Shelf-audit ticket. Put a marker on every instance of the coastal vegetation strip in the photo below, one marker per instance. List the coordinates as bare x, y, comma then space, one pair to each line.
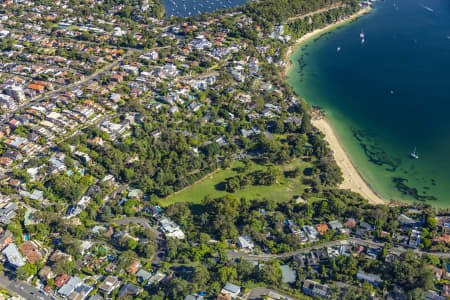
352, 178
336, 5
304, 34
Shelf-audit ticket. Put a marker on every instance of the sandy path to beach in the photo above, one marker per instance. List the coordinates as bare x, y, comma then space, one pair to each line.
352, 179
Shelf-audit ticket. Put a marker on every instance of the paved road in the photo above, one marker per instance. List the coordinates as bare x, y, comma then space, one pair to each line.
247, 256
396, 250
22, 289
325, 9
88, 78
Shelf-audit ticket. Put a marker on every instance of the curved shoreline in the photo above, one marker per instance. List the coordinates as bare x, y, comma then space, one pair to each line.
352, 177
314, 33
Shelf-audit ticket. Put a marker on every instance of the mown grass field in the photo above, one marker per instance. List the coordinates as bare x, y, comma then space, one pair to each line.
285, 190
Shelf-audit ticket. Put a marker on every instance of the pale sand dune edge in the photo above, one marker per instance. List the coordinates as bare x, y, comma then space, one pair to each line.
352, 179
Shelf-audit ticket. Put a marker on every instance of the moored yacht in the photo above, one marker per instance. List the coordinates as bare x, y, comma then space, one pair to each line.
414, 154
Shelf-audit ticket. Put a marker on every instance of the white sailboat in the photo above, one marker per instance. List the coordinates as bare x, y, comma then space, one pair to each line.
414, 154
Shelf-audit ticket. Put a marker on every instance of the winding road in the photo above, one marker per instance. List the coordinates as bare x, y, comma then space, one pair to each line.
233, 254
22, 289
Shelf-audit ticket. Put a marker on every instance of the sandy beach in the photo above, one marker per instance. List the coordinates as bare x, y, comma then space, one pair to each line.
314, 33
352, 179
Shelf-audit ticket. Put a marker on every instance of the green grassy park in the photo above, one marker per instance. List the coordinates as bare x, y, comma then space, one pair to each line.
286, 189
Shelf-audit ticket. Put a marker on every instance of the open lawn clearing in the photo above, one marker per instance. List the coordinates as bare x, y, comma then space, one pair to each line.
285, 190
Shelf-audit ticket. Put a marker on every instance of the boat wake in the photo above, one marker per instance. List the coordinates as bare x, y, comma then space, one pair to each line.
427, 8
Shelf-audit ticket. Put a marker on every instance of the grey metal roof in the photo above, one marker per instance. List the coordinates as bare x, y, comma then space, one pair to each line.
70, 286
232, 288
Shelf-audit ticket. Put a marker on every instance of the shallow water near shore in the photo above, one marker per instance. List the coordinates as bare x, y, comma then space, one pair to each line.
386, 95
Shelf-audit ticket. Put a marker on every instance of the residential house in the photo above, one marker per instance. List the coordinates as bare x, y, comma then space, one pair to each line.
31, 251
322, 254
83, 156
7, 102
288, 274
297, 231
338, 227
311, 232
5, 161
300, 260
151, 210
156, 278
322, 228
444, 223
13, 256
131, 159
357, 250
373, 279
437, 272
194, 297
133, 267
173, 110
59, 255
109, 284
315, 289
445, 291
350, 223
171, 229
135, 194
129, 289
231, 289
45, 273
414, 238
143, 276
223, 297
245, 242
365, 226
433, 295
407, 222
96, 297
447, 271
81, 292
6, 238
364, 229
36, 195
61, 280
70, 286
110, 267
36, 88
131, 69
15, 184
312, 259
8, 212
445, 238
372, 253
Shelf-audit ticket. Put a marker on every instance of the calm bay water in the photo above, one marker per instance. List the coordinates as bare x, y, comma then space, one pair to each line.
387, 95
188, 8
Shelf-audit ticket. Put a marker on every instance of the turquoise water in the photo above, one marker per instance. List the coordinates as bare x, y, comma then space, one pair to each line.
388, 95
